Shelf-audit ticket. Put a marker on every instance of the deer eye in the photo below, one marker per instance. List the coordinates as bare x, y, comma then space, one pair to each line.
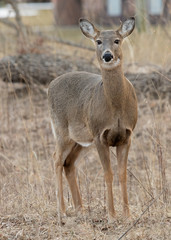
117, 41
99, 42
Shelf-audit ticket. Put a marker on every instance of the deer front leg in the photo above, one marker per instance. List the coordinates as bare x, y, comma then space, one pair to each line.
122, 156
104, 155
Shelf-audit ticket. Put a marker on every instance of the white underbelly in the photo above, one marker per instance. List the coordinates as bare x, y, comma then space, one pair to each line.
53, 129
85, 144
81, 135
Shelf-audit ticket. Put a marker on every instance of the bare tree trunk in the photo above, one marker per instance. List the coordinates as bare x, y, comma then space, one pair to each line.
67, 12
142, 16
166, 15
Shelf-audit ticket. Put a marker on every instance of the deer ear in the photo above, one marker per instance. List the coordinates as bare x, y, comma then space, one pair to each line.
88, 28
127, 27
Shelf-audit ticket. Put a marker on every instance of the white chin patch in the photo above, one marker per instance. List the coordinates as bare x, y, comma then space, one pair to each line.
117, 62
111, 64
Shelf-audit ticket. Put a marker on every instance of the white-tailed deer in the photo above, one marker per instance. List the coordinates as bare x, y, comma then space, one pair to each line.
94, 109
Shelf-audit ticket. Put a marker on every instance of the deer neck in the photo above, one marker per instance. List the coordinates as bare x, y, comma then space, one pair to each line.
114, 86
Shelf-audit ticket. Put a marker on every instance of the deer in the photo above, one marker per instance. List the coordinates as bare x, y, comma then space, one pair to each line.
90, 109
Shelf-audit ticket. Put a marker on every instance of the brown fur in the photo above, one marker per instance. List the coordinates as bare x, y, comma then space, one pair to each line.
89, 108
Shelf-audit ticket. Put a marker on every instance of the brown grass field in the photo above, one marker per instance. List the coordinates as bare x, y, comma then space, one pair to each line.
28, 204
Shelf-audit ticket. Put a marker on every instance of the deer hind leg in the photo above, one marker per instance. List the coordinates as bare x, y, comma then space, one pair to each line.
122, 156
104, 155
70, 173
59, 158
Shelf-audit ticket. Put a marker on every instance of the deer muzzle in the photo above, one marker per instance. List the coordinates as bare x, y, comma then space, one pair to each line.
107, 56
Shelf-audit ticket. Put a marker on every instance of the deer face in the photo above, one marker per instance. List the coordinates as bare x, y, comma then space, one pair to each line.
108, 42
108, 49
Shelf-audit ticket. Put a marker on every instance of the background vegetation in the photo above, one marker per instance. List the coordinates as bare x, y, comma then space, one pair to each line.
28, 206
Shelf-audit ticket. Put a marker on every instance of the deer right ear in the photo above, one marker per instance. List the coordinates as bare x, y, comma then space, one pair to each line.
88, 28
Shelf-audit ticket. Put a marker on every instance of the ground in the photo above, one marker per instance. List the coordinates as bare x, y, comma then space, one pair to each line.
28, 205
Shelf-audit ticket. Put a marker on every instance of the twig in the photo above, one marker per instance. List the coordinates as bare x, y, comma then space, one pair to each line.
9, 23
140, 183
6, 158
136, 179
154, 200
164, 77
167, 34
19, 26
74, 44
26, 76
58, 40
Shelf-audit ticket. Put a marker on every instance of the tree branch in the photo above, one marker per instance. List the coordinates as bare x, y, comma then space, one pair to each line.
9, 23
152, 202
19, 26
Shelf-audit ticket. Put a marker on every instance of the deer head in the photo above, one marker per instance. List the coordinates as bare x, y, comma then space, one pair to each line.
108, 42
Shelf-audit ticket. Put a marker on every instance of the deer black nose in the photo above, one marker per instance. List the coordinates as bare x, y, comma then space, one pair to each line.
107, 56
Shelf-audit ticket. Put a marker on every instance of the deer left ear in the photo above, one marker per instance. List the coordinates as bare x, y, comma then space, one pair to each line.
127, 27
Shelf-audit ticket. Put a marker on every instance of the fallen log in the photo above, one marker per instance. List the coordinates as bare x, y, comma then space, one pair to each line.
40, 68
149, 81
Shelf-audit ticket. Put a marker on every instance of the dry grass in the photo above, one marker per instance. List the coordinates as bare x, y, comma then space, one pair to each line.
28, 203
28, 207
